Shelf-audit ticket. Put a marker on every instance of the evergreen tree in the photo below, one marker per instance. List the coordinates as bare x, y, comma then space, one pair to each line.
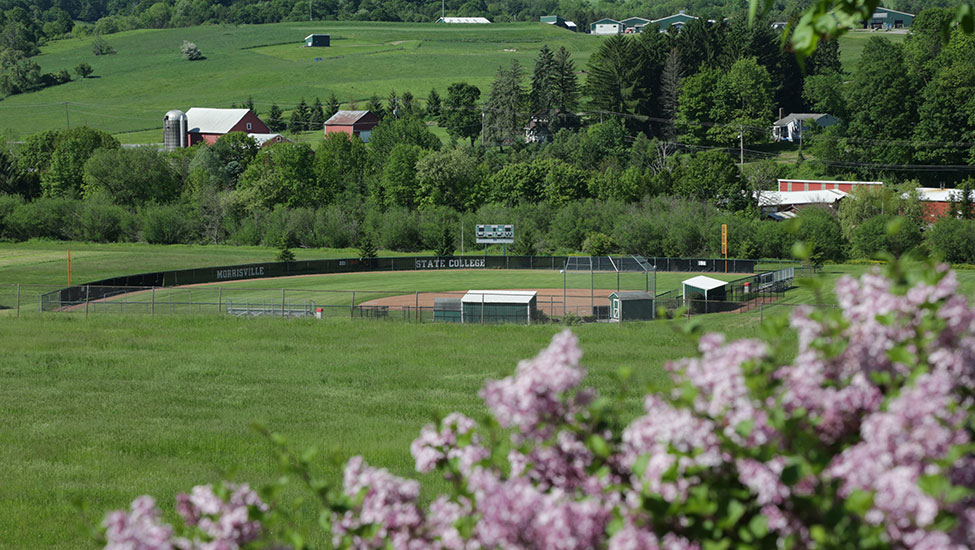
445, 243
367, 246
316, 117
461, 116
503, 115
612, 80
433, 104
392, 104
408, 104
376, 106
274, 121
304, 113
249, 104
670, 80
332, 106
542, 94
565, 90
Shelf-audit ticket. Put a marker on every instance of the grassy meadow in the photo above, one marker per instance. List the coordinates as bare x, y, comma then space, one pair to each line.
135, 87
110, 407
132, 89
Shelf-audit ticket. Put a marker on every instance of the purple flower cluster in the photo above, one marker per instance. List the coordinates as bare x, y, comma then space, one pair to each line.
139, 529
222, 525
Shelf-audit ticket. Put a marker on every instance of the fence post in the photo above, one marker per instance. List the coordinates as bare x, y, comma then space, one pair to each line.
352, 307
152, 308
283, 290
761, 310
482, 308
219, 299
417, 306
18, 299
87, 294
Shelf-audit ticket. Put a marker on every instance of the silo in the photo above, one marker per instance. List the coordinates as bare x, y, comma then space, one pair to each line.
174, 130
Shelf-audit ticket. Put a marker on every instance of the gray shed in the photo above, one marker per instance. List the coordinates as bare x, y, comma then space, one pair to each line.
631, 306
318, 40
499, 306
700, 290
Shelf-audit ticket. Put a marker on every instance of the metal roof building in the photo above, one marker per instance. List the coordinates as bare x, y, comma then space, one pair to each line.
606, 26
886, 18
467, 20
263, 140
677, 21
631, 306
700, 290
354, 123
318, 40
207, 125
499, 306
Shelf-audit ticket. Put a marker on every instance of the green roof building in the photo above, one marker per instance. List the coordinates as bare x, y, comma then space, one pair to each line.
676, 21
499, 306
886, 18
699, 291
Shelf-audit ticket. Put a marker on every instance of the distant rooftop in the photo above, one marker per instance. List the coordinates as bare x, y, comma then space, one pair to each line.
213, 121
478, 20
346, 117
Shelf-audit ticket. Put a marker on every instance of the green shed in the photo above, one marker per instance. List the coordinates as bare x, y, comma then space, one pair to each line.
886, 18
499, 306
700, 290
318, 40
631, 306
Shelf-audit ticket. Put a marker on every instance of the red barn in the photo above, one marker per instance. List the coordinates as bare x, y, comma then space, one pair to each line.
354, 123
822, 185
207, 125
937, 203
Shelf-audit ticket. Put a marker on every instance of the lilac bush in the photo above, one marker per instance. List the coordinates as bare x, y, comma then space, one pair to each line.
861, 438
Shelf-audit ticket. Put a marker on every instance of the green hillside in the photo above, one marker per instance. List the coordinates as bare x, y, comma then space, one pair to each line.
148, 76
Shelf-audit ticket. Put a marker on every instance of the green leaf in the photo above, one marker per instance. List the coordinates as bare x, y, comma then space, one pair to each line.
758, 526
818, 533
745, 427
934, 485
733, 513
859, 502
598, 445
790, 474
640, 466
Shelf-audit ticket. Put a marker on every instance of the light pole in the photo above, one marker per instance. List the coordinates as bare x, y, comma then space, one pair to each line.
563, 292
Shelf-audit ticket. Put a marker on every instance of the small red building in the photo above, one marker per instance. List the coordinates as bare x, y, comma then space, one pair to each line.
354, 123
937, 203
207, 125
822, 185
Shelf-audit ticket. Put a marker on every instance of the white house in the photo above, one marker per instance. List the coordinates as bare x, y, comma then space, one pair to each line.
790, 128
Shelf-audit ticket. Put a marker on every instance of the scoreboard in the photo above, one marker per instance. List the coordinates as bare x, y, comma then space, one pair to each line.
495, 234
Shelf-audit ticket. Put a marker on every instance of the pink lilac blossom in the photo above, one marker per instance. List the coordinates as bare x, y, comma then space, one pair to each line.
538, 394
722, 395
227, 524
139, 529
388, 501
434, 446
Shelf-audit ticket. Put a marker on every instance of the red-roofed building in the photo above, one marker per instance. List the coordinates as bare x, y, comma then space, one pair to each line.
207, 125
354, 123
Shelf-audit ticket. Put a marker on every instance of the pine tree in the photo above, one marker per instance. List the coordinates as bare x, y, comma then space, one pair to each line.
376, 106
407, 104
274, 121
445, 244
249, 104
392, 102
459, 113
433, 104
316, 117
502, 121
565, 91
332, 106
304, 113
367, 247
542, 94
670, 80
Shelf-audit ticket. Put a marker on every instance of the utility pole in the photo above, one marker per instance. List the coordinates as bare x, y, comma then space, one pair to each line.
741, 145
443, 12
309, 11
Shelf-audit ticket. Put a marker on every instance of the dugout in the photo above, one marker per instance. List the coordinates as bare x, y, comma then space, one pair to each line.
499, 306
631, 306
447, 310
700, 291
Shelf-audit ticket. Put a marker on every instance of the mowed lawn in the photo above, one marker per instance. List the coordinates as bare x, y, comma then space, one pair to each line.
112, 407
135, 87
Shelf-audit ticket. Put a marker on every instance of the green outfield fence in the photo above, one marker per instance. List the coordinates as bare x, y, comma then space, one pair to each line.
108, 288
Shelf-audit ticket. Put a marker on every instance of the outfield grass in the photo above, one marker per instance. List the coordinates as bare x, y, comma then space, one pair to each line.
147, 77
117, 406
